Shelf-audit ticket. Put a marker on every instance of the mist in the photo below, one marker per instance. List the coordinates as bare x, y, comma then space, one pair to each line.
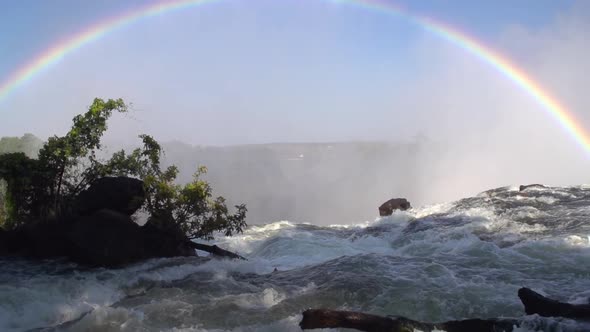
363, 127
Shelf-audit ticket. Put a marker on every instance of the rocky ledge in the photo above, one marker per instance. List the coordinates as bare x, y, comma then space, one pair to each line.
100, 231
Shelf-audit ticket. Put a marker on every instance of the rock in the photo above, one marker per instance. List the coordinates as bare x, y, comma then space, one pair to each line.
99, 230
110, 238
161, 243
46, 239
387, 208
216, 251
4, 246
9, 242
122, 194
536, 185
105, 238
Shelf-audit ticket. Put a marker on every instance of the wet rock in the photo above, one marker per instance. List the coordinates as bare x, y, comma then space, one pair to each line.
46, 239
101, 232
387, 208
9, 242
122, 194
105, 238
161, 243
4, 238
110, 238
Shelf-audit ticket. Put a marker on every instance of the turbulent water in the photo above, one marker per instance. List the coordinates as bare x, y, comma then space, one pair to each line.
452, 261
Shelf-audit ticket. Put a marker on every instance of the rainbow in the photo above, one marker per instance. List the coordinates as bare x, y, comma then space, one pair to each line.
464, 41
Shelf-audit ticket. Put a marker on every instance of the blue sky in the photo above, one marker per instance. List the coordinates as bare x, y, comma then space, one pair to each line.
30, 25
253, 71
259, 71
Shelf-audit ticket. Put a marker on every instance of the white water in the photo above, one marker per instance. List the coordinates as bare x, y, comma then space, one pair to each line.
450, 261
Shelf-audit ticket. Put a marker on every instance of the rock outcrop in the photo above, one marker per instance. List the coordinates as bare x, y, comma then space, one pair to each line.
105, 238
121, 194
100, 232
9, 241
110, 238
387, 208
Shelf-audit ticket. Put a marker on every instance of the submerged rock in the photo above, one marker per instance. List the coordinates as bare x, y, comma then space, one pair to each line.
387, 208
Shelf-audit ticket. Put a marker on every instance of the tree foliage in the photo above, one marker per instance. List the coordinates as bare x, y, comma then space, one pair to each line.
191, 208
45, 188
58, 175
28, 145
62, 159
3, 203
16, 169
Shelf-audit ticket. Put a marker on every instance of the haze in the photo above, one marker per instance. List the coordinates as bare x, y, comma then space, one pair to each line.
243, 72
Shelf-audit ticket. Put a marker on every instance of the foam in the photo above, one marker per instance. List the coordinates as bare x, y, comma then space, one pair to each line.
437, 262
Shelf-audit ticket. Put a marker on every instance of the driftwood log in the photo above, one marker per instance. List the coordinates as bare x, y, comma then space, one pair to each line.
535, 303
525, 187
215, 250
325, 318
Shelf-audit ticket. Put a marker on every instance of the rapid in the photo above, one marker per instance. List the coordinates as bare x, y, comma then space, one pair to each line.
462, 259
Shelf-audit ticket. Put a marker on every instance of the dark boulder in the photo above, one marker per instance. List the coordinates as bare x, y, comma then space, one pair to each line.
99, 230
46, 239
387, 208
166, 242
36, 239
122, 194
10, 242
110, 238
4, 245
105, 238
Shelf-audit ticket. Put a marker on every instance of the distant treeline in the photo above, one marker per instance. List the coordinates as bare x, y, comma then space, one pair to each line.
322, 183
28, 144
